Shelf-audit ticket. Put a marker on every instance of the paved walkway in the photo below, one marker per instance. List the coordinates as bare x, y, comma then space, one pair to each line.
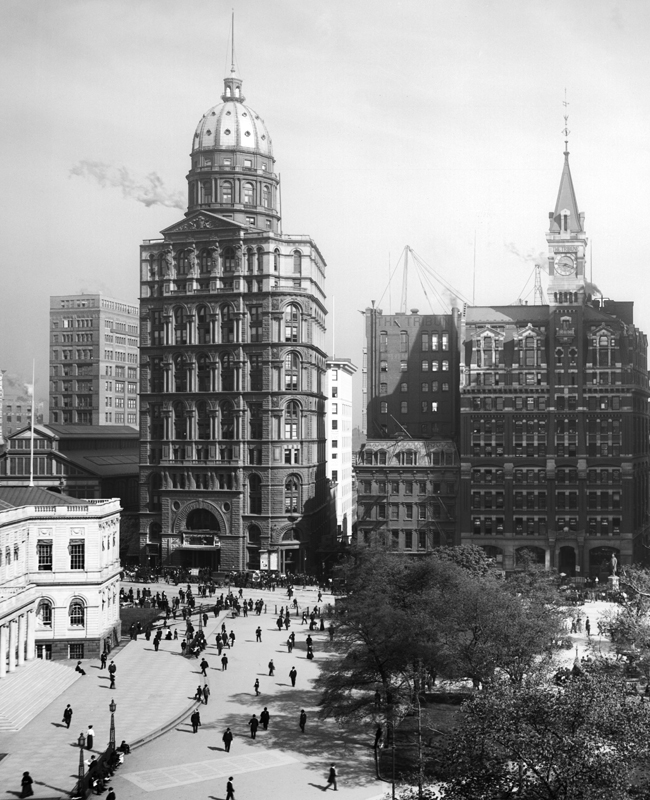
153, 688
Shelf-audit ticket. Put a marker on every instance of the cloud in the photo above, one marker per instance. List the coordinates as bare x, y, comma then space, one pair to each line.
148, 189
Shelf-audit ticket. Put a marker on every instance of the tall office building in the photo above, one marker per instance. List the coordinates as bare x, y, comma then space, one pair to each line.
233, 365
408, 470
339, 444
554, 418
94, 362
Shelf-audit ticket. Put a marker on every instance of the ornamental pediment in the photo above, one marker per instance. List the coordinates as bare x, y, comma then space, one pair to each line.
203, 221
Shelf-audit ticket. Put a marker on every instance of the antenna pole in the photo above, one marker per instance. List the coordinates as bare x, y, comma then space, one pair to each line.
232, 42
333, 326
566, 130
405, 279
474, 276
31, 447
539, 297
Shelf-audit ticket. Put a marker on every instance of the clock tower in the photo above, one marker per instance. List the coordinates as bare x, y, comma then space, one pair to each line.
567, 243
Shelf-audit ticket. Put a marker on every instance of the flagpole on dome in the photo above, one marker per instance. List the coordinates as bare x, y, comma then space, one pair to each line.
31, 444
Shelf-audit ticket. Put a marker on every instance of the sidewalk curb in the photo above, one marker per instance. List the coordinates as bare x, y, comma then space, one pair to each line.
163, 729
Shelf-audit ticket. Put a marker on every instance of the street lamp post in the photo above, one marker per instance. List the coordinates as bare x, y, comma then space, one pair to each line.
112, 708
81, 741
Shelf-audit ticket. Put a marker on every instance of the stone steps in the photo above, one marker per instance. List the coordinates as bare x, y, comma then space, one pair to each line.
30, 689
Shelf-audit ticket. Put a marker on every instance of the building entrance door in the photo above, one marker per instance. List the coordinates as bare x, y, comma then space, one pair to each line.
567, 561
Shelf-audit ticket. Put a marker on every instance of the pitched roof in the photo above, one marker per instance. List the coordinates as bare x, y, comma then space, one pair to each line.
566, 201
17, 496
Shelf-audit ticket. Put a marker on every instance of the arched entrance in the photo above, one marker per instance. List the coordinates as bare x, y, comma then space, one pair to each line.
567, 561
200, 548
253, 542
291, 553
600, 562
154, 545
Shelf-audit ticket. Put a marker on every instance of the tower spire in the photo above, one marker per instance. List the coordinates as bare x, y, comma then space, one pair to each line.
232, 43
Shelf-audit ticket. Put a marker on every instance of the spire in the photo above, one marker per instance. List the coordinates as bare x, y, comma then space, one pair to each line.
566, 204
232, 83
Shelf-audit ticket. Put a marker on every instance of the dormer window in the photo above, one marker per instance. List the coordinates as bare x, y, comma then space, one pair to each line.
565, 220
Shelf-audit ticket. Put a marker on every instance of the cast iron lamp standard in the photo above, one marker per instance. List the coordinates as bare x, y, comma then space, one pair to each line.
81, 741
112, 708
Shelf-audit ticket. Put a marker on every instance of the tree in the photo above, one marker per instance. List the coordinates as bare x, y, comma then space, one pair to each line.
468, 556
536, 741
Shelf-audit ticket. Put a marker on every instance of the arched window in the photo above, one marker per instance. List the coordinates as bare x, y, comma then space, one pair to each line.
276, 260
202, 373
291, 323
207, 191
77, 614
44, 614
249, 194
180, 421
202, 420
155, 486
180, 374
254, 494
201, 519
227, 420
266, 196
260, 259
226, 191
291, 372
292, 495
227, 325
204, 260
203, 325
297, 262
228, 260
404, 342
250, 260
183, 262
227, 373
292, 420
180, 326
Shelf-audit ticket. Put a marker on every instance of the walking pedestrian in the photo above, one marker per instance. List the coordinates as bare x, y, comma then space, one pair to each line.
206, 693
111, 685
224, 662
331, 778
264, 718
112, 669
103, 658
230, 790
111, 794
293, 674
303, 720
26, 785
195, 719
258, 634
256, 686
232, 638
204, 665
67, 715
588, 627
271, 667
253, 724
90, 733
227, 739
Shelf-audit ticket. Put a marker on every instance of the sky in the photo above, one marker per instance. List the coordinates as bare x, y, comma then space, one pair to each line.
432, 124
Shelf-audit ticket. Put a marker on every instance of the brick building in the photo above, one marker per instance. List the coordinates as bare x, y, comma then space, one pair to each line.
233, 366
554, 418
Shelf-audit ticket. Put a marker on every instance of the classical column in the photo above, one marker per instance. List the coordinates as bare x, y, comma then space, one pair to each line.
21, 640
12, 645
4, 635
31, 635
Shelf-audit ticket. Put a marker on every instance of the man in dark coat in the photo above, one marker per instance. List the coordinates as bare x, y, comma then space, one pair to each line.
253, 723
230, 790
303, 720
67, 715
227, 739
195, 719
293, 674
264, 718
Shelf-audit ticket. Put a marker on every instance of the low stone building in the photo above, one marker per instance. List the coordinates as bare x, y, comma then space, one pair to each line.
59, 576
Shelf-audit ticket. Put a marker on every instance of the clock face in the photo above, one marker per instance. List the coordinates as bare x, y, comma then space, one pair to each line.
565, 266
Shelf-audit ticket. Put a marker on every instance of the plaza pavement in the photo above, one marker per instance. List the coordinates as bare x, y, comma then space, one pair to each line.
153, 688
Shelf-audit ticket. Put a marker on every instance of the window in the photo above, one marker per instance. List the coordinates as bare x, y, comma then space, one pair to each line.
424, 342
297, 262
403, 387
77, 555
292, 421
291, 371
44, 556
255, 323
44, 613
291, 495
226, 191
404, 342
77, 614
254, 494
291, 323
404, 407
77, 650
249, 194
383, 407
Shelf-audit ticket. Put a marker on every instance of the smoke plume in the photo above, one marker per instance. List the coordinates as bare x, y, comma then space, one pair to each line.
148, 189
592, 289
531, 257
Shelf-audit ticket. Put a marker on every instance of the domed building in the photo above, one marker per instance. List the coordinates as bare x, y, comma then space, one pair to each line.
232, 355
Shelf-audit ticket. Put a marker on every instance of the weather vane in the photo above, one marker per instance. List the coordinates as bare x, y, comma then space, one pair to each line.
566, 130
